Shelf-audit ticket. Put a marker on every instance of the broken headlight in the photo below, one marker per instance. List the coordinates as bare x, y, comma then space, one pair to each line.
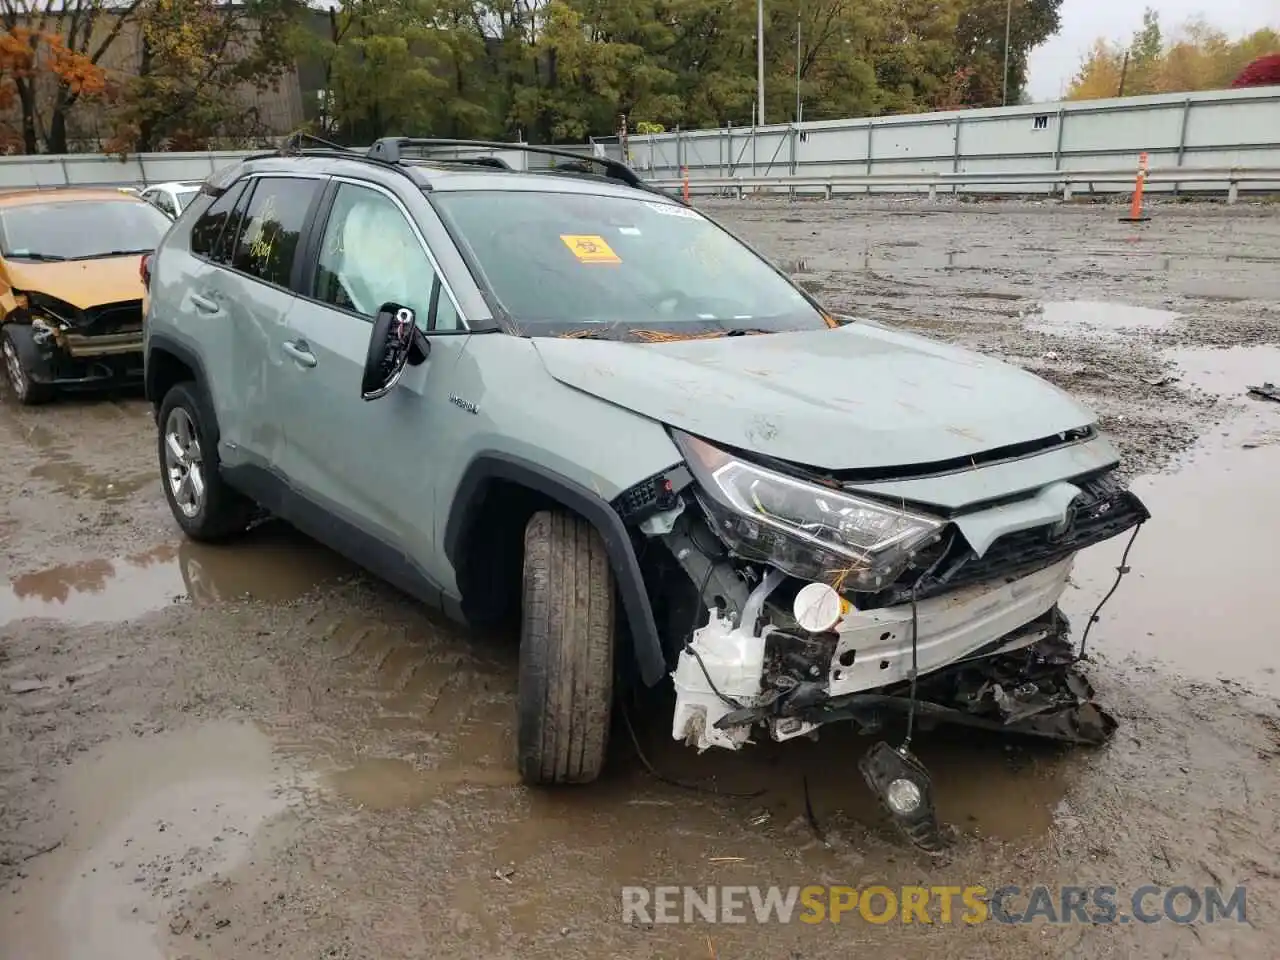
809, 531
59, 311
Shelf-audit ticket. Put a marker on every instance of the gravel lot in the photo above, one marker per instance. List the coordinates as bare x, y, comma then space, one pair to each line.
257, 751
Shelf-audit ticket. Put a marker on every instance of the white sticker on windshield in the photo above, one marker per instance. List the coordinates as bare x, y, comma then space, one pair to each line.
629, 231
672, 210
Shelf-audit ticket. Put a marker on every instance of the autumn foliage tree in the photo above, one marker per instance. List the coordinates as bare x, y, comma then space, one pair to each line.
1198, 57
28, 57
70, 40
196, 56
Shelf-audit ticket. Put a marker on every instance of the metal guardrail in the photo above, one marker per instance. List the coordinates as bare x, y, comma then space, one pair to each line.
1204, 179
1229, 179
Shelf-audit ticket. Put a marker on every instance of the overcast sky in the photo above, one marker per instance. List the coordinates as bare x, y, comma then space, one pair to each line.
1053, 64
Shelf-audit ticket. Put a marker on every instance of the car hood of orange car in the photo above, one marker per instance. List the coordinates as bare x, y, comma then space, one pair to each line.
81, 283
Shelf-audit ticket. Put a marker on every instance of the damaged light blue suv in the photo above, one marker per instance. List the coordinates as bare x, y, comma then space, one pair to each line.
562, 394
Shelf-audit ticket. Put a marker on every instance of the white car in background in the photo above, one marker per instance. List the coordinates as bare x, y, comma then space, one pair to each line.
173, 197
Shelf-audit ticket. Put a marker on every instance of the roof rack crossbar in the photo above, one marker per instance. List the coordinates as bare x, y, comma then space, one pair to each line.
387, 152
388, 149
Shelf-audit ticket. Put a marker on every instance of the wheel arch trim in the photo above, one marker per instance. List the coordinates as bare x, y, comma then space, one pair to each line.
489, 466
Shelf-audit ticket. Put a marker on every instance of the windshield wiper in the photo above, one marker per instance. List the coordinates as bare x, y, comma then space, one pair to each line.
108, 253
43, 257
744, 331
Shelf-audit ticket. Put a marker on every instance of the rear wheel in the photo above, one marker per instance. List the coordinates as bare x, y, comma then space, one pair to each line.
203, 504
566, 651
16, 345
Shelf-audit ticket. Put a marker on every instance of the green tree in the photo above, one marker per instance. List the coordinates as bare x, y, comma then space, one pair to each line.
979, 42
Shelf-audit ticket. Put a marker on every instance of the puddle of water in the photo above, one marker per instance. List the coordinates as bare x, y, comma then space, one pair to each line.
1073, 316
389, 784
151, 817
1230, 372
1201, 597
273, 562
60, 466
977, 782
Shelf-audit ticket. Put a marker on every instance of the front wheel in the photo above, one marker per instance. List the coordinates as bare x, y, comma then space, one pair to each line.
566, 651
202, 503
17, 346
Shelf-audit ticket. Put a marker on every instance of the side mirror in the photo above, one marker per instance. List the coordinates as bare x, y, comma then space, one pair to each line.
395, 337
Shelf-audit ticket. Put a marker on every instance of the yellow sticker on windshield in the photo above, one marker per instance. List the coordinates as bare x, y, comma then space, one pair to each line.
590, 249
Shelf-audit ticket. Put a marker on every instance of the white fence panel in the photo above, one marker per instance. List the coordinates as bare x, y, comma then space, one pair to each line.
1223, 128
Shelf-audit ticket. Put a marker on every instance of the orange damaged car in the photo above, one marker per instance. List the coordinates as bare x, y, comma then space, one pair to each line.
70, 288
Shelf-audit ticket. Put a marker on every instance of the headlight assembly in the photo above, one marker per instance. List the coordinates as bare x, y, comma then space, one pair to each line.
59, 311
807, 530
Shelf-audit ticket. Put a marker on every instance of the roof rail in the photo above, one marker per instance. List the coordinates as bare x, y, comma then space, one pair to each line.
497, 162
389, 150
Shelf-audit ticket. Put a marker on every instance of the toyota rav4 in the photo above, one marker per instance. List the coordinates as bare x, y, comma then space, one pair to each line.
563, 393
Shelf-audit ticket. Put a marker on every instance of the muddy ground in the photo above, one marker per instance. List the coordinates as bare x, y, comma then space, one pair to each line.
257, 751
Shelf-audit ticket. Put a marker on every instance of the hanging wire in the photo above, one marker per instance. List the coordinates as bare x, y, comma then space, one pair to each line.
915, 671
1120, 572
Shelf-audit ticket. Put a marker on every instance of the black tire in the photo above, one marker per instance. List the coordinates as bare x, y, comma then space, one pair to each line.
17, 338
222, 513
566, 651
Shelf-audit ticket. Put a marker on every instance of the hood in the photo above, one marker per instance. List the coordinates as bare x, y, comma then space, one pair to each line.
81, 283
855, 397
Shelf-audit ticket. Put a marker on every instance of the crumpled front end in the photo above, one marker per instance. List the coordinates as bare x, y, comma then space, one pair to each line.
786, 678
791, 598
75, 347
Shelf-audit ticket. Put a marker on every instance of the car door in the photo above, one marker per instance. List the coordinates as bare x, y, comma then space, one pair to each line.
249, 289
201, 311
369, 462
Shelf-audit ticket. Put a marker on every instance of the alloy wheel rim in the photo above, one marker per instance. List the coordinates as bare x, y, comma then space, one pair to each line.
183, 462
14, 366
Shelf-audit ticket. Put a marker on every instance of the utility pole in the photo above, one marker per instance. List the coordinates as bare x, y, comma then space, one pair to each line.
760, 62
1008, 20
797, 68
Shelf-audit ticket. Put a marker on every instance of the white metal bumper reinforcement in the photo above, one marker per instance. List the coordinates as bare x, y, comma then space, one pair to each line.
874, 650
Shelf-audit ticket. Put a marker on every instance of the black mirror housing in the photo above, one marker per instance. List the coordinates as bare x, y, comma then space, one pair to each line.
394, 339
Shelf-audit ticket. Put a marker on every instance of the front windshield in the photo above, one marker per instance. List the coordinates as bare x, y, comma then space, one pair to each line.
184, 197
80, 229
600, 265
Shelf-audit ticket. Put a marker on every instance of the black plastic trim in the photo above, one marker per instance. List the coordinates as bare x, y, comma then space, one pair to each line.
326, 523
304, 279
493, 465
159, 341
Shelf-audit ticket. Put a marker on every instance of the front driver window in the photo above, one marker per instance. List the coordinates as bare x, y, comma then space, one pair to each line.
370, 256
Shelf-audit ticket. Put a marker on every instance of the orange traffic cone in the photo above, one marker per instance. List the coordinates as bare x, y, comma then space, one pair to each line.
1135, 205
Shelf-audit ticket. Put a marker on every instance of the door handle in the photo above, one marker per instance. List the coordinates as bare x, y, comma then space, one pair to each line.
204, 304
300, 352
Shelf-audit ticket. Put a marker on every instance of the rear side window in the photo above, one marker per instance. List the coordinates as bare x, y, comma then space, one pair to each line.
272, 225
206, 231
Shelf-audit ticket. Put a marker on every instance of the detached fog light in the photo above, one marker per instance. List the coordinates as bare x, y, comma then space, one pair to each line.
903, 786
903, 797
